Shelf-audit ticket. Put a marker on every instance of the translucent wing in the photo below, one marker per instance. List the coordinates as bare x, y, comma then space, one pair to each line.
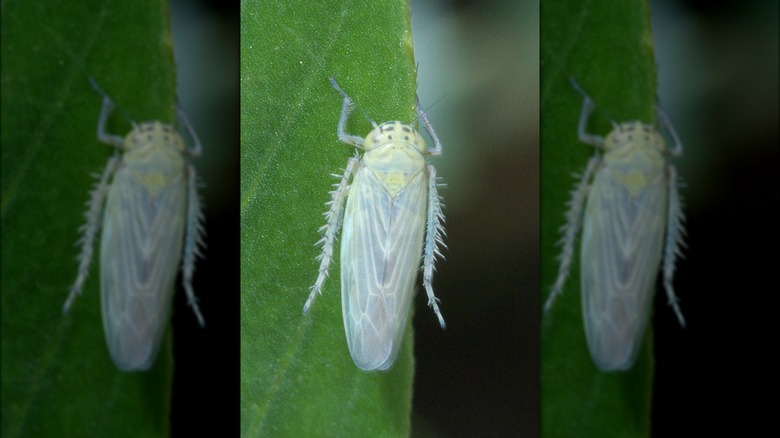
140, 257
621, 252
380, 259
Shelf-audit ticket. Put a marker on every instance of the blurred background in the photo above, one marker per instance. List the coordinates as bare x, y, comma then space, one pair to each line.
718, 81
206, 368
479, 75
479, 82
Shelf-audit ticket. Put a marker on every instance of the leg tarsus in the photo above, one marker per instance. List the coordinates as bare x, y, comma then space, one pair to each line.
587, 108
346, 110
677, 149
105, 111
195, 150
436, 150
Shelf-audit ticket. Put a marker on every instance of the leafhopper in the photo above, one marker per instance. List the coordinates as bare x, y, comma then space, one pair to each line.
152, 224
393, 218
632, 226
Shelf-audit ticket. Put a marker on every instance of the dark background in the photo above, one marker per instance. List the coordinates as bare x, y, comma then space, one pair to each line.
718, 80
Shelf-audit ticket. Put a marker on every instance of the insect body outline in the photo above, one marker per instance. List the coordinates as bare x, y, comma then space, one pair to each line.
632, 225
392, 219
152, 223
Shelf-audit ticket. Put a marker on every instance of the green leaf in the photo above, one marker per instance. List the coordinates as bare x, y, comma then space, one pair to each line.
297, 376
57, 376
607, 47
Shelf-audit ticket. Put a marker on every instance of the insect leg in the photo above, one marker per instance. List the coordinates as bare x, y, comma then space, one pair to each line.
433, 241
571, 229
94, 214
678, 147
193, 241
346, 110
105, 111
587, 108
436, 150
195, 149
330, 229
674, 241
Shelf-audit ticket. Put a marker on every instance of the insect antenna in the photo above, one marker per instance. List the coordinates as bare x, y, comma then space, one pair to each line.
426, 111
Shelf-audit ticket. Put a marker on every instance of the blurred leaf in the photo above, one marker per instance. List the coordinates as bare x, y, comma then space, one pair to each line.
57, 376
297, 376
608, 47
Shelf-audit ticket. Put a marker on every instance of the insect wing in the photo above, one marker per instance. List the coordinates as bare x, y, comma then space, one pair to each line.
140, 257
380, 257
621, 252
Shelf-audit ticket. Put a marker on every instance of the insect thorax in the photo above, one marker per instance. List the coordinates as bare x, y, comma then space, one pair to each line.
154, 155
394, 153
634, 155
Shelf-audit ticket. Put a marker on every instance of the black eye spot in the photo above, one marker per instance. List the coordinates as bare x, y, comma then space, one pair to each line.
389, 137
647, 138
149, 137
630, 137
406, 137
